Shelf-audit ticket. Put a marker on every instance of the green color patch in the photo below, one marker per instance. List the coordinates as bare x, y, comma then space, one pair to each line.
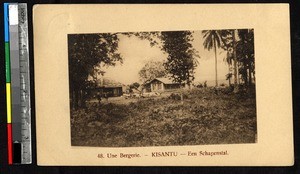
7, 62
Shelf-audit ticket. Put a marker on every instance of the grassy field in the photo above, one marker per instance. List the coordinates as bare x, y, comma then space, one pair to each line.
205, 117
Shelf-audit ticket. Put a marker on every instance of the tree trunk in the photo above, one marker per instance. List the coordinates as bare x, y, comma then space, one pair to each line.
181, 93
235, 63
250, 76
216, 62
188, 81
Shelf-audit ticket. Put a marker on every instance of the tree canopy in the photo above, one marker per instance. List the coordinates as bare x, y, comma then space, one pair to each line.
86, 52
152, 70
181, 61
239, 45
245, 55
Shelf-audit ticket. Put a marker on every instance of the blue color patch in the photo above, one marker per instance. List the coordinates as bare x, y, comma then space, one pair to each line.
6, 23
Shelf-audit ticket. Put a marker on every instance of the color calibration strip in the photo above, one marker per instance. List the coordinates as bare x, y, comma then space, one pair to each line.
17, 83
8, 84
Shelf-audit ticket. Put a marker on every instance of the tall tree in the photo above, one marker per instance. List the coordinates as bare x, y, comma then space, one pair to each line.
212, 40
229, 44
235, 63
181, 61
229, 59
245, 54
240, 46
86, 52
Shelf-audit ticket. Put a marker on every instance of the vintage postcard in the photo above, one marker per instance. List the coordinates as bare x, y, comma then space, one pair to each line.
163, 85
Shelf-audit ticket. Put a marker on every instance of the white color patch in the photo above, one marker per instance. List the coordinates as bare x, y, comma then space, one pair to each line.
13, 14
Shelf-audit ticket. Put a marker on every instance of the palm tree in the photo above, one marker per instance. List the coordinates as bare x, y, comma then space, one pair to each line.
235, 62
228, 60
212, 39
229, 41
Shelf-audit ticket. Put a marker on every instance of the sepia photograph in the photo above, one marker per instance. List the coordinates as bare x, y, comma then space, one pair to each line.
162, 88
163, 85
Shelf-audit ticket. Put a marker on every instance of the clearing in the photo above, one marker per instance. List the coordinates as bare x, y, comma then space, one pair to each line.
205, 117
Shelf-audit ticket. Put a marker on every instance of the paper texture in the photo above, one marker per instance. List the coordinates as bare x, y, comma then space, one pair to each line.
53, 23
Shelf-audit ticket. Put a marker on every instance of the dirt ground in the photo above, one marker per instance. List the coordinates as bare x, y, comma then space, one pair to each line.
206, 116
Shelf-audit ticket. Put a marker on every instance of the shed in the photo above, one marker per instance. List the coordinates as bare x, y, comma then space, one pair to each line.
163, 84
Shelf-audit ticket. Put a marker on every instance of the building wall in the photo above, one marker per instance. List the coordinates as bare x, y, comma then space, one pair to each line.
172, 86
111, 92
147, 88
157, 86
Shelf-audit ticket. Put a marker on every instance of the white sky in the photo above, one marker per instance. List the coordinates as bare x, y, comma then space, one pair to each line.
136, 53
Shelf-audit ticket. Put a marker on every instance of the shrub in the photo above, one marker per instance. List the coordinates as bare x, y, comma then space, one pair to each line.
175, 96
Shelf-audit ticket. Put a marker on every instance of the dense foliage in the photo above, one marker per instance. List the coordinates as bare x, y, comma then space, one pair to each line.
86, 52
239, 45
181, 60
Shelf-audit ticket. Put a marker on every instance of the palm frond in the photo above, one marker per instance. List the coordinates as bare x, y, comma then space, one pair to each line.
210, 38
